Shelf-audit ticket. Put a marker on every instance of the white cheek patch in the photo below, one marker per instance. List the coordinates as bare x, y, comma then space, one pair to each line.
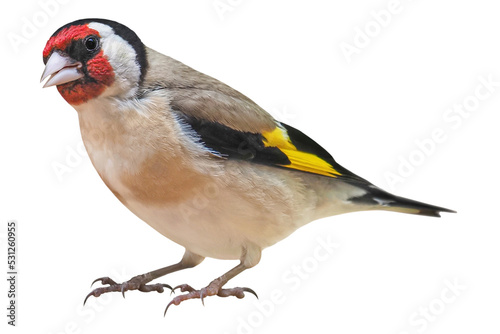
122, 57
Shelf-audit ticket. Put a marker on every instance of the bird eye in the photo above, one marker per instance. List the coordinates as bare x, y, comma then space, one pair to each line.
91, 43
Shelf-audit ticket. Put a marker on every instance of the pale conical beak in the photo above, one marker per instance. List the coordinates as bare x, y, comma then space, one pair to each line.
62, 69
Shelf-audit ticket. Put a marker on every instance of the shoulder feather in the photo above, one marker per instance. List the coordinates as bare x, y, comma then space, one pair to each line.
200, 96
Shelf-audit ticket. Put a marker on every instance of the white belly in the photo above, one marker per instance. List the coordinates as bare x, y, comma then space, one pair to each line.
218, 219
213, 207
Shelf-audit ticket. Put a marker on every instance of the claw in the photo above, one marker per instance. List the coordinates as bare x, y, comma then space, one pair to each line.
90, 294
96, 293
183, 287
177, 287
211, 290
201, 297
251, 291
135, 283
165, 286
104, 280
166, 308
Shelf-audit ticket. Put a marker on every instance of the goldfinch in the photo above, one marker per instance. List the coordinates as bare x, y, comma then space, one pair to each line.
200, 162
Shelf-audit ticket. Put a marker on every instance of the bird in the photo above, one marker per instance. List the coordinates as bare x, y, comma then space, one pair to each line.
197, 160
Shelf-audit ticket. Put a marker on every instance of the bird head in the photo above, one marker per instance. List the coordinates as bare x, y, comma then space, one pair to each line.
91, 58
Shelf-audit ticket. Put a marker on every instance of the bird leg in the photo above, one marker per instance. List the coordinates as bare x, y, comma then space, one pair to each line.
138, 282
214, 288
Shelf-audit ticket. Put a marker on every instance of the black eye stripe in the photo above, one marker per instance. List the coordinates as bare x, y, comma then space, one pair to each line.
83, 50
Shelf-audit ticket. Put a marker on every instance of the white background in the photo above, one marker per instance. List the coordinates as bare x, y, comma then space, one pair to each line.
369, 112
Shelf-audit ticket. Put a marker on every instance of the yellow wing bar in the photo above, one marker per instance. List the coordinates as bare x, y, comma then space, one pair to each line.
303, 161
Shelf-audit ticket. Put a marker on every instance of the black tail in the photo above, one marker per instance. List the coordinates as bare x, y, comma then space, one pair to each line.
406, 205
382, 200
